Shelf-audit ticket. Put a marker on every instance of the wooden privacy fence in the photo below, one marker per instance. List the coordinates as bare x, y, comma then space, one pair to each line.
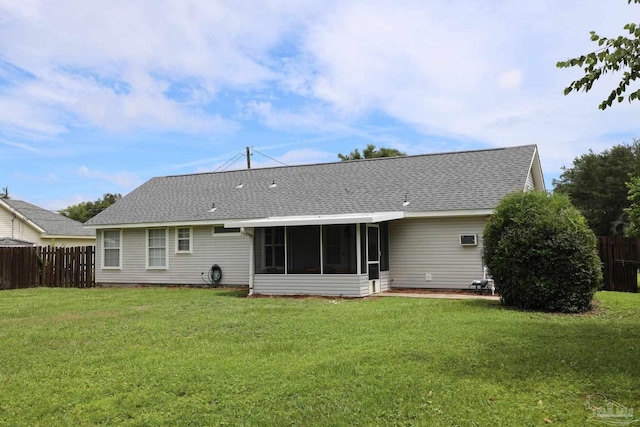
620, 262
47, 266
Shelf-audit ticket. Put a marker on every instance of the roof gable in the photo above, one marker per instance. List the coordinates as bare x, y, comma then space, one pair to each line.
47, 222
469, 180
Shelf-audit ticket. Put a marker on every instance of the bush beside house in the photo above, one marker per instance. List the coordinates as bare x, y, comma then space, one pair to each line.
541, 253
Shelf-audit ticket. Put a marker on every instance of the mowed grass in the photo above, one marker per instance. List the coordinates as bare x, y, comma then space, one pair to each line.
210, 357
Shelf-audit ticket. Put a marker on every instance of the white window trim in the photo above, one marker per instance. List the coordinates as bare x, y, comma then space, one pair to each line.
190, 250
166, 249
119, 267
230, 234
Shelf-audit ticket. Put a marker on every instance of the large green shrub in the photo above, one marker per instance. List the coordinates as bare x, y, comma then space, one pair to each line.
541, 253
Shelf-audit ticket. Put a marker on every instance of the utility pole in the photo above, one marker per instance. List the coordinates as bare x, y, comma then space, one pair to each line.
248, 159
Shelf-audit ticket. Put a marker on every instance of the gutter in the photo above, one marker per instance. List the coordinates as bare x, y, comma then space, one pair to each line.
63, 236
244, 232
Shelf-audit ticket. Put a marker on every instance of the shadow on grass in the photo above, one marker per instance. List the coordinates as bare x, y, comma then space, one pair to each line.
231, 292
590, 352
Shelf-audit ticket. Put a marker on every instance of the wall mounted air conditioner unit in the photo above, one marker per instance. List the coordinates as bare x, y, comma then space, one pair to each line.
469, 239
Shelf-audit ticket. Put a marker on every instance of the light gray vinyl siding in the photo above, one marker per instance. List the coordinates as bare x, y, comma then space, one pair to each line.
385, 281
346, 285
432, 246
530, 183
364, 285
230, 252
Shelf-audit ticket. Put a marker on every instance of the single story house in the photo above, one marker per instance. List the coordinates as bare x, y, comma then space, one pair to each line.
351, 228
24, 224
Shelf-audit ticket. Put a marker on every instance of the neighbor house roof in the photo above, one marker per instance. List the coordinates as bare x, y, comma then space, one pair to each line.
430, 183
9, 242
46, 222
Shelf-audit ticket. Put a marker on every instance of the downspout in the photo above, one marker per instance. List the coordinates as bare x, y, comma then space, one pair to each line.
358, 251
251, 258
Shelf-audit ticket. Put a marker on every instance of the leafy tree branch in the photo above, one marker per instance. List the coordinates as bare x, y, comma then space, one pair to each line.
86, 210
619, 54
370, 152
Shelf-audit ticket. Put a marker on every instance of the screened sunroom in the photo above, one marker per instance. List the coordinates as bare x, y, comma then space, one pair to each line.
325, 257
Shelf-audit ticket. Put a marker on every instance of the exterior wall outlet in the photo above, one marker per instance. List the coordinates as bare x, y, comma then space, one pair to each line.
427, 277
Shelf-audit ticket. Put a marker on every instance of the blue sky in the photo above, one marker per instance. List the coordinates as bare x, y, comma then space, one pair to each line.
98, 97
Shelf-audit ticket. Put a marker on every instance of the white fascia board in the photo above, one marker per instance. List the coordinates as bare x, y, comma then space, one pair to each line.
536, 170
450, 214
24, 218
64, 236
355, 218
155, 224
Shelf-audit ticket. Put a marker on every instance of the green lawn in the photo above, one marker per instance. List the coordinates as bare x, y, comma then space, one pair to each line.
208, 357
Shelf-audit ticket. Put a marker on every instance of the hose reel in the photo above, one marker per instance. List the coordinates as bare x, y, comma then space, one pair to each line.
214, 276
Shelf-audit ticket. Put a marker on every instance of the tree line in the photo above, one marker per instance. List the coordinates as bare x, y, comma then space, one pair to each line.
605, 187
84, 211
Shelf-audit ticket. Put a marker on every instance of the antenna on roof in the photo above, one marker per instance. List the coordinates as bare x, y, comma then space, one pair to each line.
248, 159
5, 193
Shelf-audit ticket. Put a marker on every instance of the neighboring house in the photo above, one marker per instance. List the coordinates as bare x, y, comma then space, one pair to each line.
347, 228
6, 242
24, 224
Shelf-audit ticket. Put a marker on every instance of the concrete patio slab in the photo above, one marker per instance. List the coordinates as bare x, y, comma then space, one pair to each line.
439, 295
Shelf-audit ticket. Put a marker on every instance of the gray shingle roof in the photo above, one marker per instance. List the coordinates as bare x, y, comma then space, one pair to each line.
431, 182
9, 242
53, 224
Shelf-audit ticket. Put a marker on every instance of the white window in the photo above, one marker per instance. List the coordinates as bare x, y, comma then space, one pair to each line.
183, 240
112, 249
156, 248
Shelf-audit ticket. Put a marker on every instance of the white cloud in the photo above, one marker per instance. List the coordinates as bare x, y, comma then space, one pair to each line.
292, 157
59, 204
450, 73
510, 79
261, 108
75, 51
19, 145
435, 69
49, 178
125, 180
307, 155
